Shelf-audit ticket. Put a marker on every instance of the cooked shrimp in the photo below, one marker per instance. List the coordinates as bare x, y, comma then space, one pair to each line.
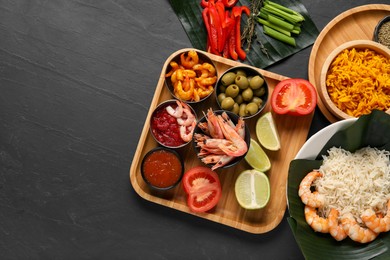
314, 200
238, 146
186, 132
174, 67
214, 128
376, 223
355, 231
189, 117
204, 82
210, 68
218, 160
317, 223
191, 59
181, 93
177, 112
335, 229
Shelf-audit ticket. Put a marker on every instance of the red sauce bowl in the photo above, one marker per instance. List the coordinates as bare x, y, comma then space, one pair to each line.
165, 128
162, 168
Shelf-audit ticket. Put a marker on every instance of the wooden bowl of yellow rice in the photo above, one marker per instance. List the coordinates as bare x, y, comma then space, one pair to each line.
355, 79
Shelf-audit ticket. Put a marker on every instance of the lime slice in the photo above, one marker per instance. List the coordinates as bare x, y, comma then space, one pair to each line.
257, 158
266, 132
252, 189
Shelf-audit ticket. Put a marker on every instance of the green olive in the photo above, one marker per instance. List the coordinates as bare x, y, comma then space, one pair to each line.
258, 101
228, 78
242, 110
251, 108
239, 99
221, 97
232, 90
247, 94
259, 92
242, 82
241, 72
236, 108
256, 82
222, 88
227, 103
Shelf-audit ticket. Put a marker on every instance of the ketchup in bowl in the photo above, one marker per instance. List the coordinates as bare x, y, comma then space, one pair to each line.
162, 168
172, 123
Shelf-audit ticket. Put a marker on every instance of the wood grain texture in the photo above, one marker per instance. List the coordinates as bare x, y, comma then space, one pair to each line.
354, 24
293, 133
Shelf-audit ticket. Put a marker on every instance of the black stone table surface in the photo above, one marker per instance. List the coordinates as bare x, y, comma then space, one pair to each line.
76, 81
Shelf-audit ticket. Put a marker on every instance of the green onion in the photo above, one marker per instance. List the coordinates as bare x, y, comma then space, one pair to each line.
267, 23
279, 36
280, 22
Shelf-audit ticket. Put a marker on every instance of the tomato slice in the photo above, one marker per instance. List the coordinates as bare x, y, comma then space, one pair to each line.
203, 188
294, 97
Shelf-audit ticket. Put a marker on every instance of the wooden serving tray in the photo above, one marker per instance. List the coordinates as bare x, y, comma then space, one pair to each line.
293, 133
354, 24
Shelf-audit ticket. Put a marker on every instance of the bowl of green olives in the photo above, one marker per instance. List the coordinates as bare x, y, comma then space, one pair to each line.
243, 91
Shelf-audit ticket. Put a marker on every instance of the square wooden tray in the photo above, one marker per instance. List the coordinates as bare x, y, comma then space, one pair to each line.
293, 133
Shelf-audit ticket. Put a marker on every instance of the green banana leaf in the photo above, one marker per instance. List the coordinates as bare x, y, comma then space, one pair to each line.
369, 130
189, 14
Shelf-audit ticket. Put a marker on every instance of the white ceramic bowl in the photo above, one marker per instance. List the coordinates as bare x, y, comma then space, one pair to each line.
315, 143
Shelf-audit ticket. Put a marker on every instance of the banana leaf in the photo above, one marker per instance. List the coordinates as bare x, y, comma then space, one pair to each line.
189, 14
369, 130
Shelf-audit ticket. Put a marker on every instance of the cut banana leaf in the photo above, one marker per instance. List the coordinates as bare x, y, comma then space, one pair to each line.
370, 130
189, 14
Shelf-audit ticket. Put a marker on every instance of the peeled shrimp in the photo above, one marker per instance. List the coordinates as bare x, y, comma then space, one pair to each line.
314, 200
376, 223
177, 112
316, 222
335, 229
355, 231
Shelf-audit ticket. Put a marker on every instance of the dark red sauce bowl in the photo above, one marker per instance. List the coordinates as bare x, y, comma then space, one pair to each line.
164, 127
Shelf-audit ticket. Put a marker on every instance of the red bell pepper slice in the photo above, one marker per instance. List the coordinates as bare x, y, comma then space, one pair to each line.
211, 31
215, 24
205, 3
237, 11
232, 41
229, 3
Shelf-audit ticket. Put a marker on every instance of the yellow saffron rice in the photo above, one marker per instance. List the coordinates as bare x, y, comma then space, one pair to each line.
358, 81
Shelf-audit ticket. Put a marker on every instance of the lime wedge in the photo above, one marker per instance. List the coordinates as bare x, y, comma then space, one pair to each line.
257, 158
266, 132
252, 189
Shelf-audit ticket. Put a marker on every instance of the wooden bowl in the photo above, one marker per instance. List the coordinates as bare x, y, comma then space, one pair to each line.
357, 44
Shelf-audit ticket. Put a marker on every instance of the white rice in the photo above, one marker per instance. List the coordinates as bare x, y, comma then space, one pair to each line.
354, 182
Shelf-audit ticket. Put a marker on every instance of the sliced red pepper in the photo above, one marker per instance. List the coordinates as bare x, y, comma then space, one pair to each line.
221, 13
215, 24
205, 3
229, 3
232, 42
211, 32
237, 11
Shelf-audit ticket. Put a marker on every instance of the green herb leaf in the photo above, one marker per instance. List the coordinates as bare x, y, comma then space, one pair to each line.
369, 130
189, 14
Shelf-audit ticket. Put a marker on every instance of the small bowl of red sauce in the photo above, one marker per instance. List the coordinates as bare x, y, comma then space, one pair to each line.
172, 123
162, 168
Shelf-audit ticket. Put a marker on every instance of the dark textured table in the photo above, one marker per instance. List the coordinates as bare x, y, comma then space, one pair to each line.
76, 81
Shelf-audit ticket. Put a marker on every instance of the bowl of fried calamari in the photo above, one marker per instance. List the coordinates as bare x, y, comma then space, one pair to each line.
338, 190
190, 75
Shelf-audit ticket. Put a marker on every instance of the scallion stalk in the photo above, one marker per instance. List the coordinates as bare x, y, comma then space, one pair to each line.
269, 24
279, 36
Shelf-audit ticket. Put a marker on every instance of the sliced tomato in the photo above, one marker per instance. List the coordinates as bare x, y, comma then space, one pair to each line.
294, 97
203, 188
